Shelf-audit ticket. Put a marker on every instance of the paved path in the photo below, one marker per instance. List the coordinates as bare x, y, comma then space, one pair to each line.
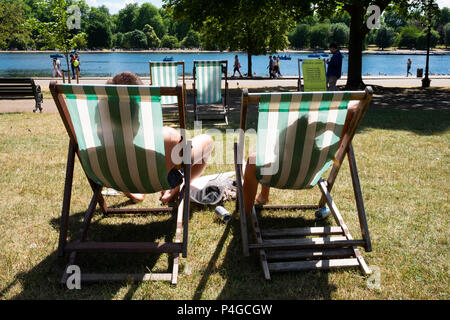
387, 82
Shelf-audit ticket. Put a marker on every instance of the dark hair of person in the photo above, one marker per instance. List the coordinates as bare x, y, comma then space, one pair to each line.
333, 45
126, 78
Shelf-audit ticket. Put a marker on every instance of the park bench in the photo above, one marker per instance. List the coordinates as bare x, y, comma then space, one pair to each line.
21, 88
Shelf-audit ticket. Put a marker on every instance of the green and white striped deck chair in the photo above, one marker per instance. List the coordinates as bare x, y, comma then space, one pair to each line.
208, 90
299, 137
165, 74
314, 75
116, 132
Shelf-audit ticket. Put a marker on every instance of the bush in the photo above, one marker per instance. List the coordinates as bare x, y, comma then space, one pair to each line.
118, 40
169, 42
384, 37
447, 34
299, 37
135, 39
319, 36
339, 33
407, 37
422, 39
152, 39
192, 40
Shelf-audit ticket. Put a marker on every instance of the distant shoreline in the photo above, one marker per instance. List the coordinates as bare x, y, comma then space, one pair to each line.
189, 51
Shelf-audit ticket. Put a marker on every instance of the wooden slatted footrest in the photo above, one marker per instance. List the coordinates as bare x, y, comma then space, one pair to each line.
124, 247
313, 265
310, 254
309, 243
302, 232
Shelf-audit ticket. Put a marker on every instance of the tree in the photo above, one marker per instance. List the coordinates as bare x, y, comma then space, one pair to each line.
55, 32
99, 34
152, 39
299, 37
126, 18
254, 26
169, 42
357, 9
13, 34
447, 34
192, 40
393, 19
339, 33
319, 36
135, 39
384, 37
407, 37
149, 14
421, 41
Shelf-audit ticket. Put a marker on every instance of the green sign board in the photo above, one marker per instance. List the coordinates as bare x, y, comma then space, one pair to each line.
314, 77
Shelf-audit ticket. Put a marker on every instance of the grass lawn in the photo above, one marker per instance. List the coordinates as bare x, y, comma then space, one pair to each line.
403, 158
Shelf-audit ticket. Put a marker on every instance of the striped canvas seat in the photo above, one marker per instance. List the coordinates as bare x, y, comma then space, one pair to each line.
119, 135
165, 74
298, 136
208, 77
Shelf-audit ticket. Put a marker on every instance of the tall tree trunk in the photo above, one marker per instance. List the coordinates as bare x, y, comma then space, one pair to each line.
357, 34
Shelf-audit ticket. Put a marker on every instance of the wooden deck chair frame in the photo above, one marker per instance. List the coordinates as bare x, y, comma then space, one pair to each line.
178, 63
300, 83
339, 250
225, 111
179, 246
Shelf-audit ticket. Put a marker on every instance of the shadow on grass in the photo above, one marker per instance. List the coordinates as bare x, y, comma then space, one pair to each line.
44, 280
421, 111
244, 276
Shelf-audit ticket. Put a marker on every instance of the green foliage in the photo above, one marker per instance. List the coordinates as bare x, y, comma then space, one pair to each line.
407, 37
421, 42
192, 40
55, 33
447, 34
169, 42
339, 33
394, 20
12, 31
384, 37
152, 39
299, 37
118, 40
135, 39
99, 34
126, 18
319, 36
149, 14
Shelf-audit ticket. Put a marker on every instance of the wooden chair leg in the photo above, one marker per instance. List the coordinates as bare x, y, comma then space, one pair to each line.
259, 240
359, 199
340, 221
240, 202
64, 223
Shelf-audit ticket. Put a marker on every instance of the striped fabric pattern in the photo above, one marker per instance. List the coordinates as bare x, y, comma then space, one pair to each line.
208, 79
298, 137
119, 135
165, 74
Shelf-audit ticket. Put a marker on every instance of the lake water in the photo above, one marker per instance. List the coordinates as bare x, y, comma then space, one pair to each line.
107, 64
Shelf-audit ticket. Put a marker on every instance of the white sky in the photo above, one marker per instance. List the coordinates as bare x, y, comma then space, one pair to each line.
115, 5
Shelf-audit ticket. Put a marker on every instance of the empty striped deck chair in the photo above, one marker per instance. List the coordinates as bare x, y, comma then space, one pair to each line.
116, 133
165, 74
298, 140
314, 75
209, 103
